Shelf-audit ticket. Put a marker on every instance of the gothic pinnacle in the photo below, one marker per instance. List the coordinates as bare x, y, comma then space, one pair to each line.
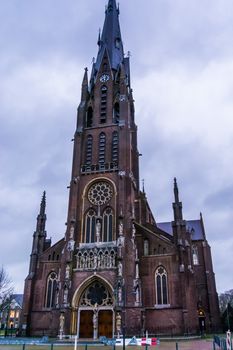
176, 191
84, 86
43, 204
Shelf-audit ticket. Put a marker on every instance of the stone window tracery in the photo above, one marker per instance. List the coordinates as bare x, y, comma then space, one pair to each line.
100, 193
107, 225
51, 289
195, 255
96, 294
161, 286
90, 226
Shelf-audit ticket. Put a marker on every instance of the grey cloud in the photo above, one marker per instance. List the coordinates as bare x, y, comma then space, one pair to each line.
181, 73
220, 200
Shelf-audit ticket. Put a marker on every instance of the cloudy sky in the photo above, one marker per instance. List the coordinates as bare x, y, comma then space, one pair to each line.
182, 77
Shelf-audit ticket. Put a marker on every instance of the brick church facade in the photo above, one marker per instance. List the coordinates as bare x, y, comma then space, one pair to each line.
117, 269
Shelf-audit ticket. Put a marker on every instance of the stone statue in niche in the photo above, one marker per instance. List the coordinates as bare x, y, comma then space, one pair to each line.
137, 296
98, 230
119, 294
120, 268
65, 298
121, 228
133, 212
95, 261
67, 271
70, 245
137, 271
72, 232
133, 231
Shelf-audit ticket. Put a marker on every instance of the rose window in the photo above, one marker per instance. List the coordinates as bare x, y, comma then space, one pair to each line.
100, 193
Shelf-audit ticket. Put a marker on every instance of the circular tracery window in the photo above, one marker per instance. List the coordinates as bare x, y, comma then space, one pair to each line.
100, 193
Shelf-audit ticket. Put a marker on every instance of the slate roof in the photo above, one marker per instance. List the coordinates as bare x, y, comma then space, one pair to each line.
110, 41
193, 226
111, 38
18, 298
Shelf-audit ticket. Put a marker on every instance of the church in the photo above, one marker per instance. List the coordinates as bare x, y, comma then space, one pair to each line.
117, 271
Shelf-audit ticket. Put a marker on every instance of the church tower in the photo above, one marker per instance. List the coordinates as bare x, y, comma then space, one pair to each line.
116, 271
100, 247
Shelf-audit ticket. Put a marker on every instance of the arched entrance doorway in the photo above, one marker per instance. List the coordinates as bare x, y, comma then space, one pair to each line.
95, 311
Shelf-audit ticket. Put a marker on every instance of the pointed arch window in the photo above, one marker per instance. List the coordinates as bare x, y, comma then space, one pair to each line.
89, 117
195, 255
89, 143
107, 225
103, 104
98, 294
102, 144
161, 286
115, 143
51, 289
90, 226
116, 113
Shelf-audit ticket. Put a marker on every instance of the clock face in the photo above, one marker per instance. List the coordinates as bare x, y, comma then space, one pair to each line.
100, 193
104, 78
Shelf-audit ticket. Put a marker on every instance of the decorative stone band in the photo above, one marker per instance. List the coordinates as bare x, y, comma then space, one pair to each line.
99, 168
97, 258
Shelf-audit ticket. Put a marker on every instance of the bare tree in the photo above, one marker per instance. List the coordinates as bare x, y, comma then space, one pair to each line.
225, 299
6, 288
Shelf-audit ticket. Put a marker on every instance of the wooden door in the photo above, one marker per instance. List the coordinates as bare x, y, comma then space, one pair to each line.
86, 324
105, 323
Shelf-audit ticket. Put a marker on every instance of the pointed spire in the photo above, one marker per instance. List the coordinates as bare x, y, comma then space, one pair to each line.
99, 39
111, 38
143, 186
85, 77
84, 85
43, 204
176, 191
41, 217
202, 225
177, 205
111, 5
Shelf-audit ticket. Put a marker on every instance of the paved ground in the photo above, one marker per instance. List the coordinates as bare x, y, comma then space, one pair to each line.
164, 345
186, 345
